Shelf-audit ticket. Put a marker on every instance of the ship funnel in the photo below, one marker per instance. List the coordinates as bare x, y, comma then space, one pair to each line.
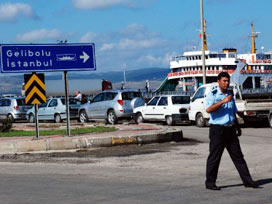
228, 50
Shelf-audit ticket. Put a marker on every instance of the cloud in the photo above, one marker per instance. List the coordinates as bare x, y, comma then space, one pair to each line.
159, 60
135, 45
126, 44
107, 47
11, 12
134, 37
102, 4
42, 34
132, 29
88, 37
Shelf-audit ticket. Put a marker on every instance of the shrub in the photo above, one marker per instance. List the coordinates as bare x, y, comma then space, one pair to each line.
5, 125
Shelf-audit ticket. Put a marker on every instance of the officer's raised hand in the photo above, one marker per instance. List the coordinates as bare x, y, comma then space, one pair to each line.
227, 99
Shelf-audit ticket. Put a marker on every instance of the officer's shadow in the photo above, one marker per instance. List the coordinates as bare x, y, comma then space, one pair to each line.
260, 183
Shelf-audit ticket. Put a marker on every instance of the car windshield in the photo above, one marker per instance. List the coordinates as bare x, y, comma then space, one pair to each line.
72, 101
20, 102
43, 105
180, 99
130, 95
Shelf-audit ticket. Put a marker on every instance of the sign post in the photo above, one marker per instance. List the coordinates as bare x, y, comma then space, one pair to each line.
67, 103
37, 122
22, 58
35, 94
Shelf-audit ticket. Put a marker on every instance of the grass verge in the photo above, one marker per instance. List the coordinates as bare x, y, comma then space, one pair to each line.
76, 131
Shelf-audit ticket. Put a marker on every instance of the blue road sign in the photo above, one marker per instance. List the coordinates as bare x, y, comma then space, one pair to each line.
19, 58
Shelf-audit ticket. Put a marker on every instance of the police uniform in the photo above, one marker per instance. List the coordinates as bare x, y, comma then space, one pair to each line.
223, 135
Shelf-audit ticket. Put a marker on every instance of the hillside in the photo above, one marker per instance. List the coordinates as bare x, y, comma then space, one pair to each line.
118, 76
12, 84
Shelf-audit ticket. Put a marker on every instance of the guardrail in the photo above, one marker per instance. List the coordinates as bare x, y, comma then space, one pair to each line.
257, 91
152, 94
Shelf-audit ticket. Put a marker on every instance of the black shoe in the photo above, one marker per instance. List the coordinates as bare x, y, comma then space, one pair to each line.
251, 185
214, 188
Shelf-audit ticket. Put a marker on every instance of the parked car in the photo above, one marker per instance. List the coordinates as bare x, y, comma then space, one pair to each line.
252, 109
110, 105
172, 109
270, 118
13, 108
54, 109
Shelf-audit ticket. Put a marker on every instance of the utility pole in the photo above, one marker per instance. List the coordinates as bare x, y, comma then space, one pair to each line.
202, 41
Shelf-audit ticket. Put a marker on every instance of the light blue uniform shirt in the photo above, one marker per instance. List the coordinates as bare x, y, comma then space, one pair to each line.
225, 115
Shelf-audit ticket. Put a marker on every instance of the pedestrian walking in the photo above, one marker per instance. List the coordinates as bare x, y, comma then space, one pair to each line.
224, 133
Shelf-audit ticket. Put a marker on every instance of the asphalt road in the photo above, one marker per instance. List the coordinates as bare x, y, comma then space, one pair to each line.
157, 173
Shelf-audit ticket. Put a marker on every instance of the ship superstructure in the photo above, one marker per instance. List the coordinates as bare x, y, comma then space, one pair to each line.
252, 70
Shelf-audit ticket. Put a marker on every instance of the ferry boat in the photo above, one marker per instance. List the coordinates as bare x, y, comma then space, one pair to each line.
251, 70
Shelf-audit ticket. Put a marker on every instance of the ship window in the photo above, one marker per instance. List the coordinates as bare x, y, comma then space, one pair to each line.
231, 56
222, 55
213, 55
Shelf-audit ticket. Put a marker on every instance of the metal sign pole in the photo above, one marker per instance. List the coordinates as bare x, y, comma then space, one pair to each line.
37, 122
67, 103
202, 41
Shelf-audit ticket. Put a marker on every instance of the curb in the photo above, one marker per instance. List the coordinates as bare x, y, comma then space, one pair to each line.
69, 143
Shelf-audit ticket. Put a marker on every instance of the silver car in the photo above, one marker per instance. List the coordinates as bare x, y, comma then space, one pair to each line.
13, 108
54, 109
110, 105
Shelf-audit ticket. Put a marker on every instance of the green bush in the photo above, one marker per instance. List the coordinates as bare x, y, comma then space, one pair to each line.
5, 125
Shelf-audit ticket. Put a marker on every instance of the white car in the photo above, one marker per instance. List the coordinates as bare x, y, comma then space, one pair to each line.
54, 109
169, 108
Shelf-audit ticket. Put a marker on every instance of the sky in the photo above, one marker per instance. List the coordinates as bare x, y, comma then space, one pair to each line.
136, 34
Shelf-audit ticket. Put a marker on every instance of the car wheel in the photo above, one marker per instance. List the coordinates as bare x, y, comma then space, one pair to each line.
57, 118
200, 121
10, 118
139, 118
83, 117
270, 120
169, 120
111, 117
31, 118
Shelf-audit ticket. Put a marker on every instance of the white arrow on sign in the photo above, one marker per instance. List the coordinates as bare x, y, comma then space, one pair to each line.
85, 57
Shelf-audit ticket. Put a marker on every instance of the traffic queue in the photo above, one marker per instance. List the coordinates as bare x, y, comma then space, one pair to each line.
112, 106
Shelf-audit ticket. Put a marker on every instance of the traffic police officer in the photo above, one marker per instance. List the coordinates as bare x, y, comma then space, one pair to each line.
224, 132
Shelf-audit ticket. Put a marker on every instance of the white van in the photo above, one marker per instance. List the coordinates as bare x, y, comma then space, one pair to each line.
197, 108
253, 109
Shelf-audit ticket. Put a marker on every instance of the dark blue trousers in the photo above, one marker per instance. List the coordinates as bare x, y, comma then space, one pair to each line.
222, 137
